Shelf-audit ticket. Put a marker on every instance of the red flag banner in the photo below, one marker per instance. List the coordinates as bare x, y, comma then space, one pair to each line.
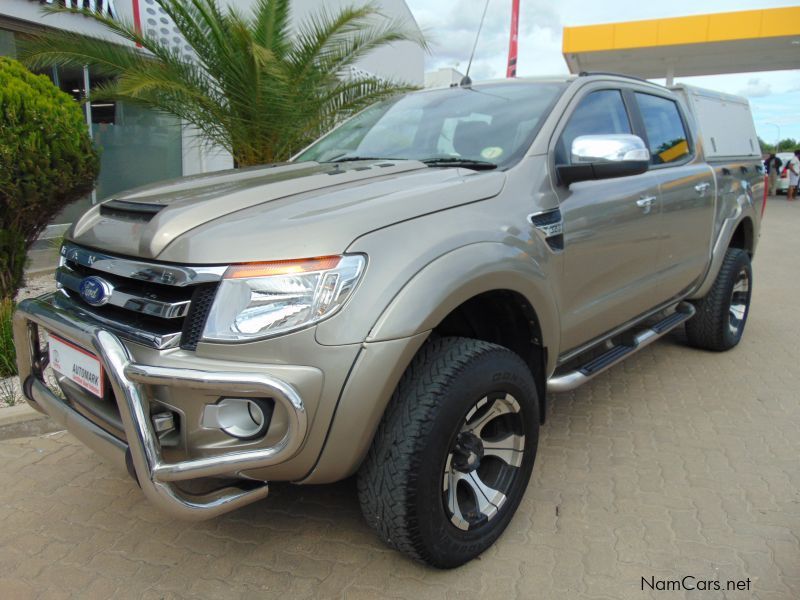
511, 71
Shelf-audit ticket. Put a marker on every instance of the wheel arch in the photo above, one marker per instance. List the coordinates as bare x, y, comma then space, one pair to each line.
743, 236
735, 233
449, 283
506, 318
504, 298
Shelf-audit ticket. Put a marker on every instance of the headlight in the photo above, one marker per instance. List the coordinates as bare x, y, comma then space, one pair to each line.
258, 300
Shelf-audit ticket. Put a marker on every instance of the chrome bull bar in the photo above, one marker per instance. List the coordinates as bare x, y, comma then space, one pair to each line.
155, 476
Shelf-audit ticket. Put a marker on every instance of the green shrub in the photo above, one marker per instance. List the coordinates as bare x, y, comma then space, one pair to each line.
8, 364
47, 161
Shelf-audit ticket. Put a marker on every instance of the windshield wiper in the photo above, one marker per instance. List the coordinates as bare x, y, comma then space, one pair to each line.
467, 163
352, 158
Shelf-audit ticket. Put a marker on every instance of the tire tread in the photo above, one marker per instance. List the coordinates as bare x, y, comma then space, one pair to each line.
392, 463
707, 329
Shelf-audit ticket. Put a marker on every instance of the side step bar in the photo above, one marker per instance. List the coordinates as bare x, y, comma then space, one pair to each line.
573, 379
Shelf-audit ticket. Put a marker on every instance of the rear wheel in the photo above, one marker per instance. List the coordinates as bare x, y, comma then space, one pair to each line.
454, 452
722, 313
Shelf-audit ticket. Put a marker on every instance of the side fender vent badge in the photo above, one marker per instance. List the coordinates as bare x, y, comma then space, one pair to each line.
551, 225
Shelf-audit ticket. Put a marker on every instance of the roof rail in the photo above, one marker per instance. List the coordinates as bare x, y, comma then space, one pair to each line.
588, 73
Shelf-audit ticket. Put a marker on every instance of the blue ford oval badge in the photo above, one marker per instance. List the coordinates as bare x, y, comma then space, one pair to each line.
96, 291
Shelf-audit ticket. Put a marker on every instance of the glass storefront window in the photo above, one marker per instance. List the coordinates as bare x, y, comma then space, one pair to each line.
8, 44
137, 146
70, 81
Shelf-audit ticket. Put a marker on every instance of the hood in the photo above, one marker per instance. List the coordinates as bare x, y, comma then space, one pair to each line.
270, 213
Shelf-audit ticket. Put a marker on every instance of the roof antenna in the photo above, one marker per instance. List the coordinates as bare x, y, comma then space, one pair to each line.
466, 81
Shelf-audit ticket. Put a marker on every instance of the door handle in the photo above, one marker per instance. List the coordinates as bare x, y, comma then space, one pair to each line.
701, 188
646, 203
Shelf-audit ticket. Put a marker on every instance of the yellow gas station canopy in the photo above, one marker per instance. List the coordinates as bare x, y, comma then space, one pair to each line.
734, 42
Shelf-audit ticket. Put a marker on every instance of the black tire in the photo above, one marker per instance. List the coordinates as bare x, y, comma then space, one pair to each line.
722, 313
420, 446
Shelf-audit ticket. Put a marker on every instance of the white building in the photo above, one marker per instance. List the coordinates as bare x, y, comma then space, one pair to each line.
444, 77
139, 146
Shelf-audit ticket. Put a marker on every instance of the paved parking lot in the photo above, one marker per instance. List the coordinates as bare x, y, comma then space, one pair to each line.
676, 463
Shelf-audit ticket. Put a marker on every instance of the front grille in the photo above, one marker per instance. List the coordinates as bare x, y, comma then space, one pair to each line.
156, 304
145, 289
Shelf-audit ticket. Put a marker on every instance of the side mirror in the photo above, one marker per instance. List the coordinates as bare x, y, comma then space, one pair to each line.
605, 156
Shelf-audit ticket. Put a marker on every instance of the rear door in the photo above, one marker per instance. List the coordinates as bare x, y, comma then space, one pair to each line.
611, 229
687, 192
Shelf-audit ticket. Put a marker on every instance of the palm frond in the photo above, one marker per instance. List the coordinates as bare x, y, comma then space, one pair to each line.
347, 51
322, 28
65, 49
271, 25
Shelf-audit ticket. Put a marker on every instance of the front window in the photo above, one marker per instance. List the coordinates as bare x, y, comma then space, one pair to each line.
493, 124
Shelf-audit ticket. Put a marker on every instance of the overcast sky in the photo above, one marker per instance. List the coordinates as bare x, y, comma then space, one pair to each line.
451, 26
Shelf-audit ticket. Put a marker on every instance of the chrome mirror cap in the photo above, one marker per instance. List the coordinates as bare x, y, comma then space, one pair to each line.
608, 148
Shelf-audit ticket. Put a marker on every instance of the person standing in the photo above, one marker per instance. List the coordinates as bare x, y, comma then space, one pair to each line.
772, 166
794, 174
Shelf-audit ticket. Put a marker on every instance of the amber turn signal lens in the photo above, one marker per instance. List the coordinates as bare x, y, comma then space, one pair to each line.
282, 267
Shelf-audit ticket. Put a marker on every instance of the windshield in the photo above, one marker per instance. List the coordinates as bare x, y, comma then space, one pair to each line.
492, 124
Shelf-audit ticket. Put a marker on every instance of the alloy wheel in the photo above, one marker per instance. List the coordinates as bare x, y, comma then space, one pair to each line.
740, 299
483, 461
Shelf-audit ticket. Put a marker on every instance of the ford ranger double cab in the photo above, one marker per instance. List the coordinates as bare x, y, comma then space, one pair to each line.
396, 301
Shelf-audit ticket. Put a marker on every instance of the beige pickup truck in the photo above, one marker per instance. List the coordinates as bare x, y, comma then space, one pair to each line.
396, 302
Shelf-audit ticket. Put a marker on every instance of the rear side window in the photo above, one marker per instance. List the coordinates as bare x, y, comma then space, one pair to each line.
664, 127
599, 113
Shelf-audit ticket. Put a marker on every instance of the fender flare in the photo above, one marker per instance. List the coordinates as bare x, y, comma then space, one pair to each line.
743, 211
453, 278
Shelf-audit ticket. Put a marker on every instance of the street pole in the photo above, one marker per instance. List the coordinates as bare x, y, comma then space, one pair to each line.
511, 69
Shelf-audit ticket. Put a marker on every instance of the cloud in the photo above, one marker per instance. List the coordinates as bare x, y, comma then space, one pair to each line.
756, 88
451, 29
794, 84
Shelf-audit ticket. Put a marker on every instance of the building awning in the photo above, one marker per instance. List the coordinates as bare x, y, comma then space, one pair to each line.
734, 42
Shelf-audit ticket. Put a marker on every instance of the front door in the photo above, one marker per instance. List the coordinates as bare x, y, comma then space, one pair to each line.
611, 233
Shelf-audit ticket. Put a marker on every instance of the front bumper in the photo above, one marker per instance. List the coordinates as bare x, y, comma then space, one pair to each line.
141, 452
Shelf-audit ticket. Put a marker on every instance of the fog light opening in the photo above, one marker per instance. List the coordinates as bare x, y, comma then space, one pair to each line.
242, 418
256, 414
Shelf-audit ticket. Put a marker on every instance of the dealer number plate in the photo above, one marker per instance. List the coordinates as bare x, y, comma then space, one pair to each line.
76, 364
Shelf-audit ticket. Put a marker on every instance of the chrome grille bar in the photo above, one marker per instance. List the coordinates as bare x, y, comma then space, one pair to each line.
159, 341
129, 301
173, 275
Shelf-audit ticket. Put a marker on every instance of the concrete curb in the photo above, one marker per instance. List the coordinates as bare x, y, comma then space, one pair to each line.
41, 271
19, 413
22, 420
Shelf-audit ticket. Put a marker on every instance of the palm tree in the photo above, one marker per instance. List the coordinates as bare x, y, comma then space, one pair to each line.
254, 86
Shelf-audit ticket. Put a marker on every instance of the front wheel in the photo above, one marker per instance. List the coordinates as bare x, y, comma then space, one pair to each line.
722, 314
453, 455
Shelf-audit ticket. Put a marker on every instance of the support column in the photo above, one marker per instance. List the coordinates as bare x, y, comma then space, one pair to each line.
88, 109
